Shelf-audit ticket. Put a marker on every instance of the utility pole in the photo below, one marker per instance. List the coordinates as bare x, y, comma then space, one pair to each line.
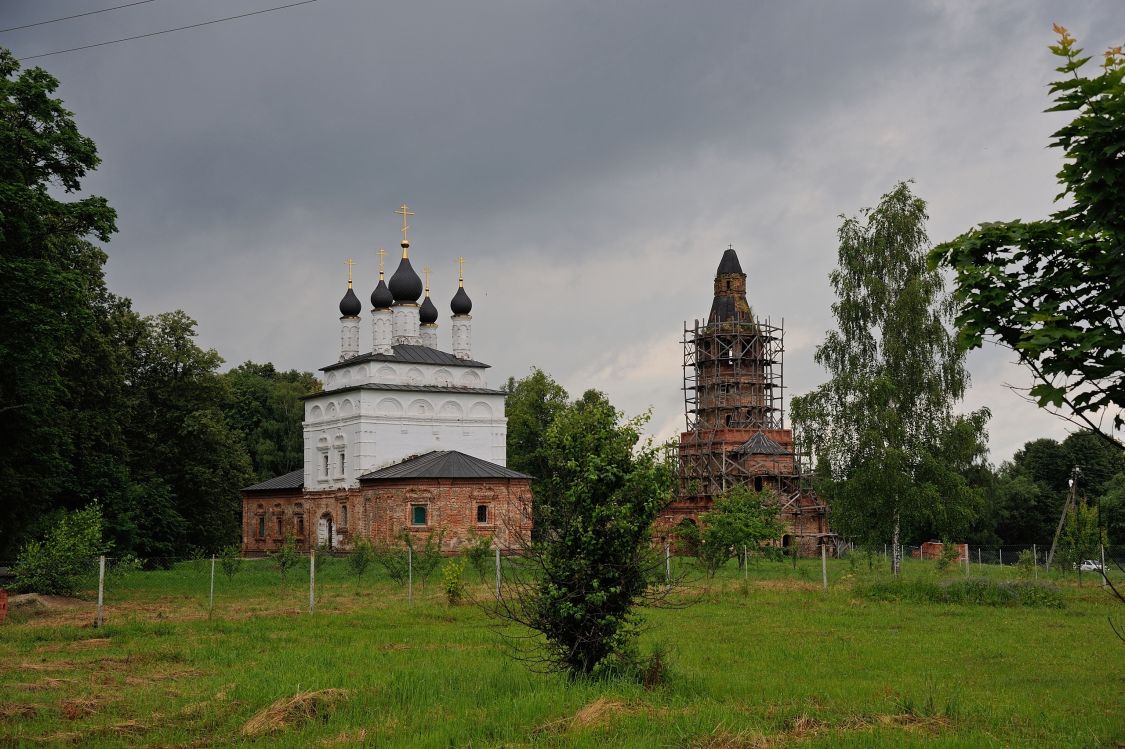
1074, 474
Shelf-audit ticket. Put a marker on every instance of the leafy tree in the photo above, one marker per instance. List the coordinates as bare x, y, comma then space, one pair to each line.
585, 575
891, 452
532, 405
360, 558
230, 560
451, 579
1053, 290
265, 406
54, 311
426, 558
393, 559
739, 518
1111, 507
478, 552
1082, 535
56, 564
286, 557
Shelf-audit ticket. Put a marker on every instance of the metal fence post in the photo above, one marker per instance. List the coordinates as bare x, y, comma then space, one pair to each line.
211, 600
668, 564
824, 565
1035, 561
312, 579
1105, 573
410, 574
99, 618
745, 564
497, 572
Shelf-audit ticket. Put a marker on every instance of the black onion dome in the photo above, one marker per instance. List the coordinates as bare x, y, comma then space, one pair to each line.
461, 304
427, 313
349, 305
382, 298
405, 285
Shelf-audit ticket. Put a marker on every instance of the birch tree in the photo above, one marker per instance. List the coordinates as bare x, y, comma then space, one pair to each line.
882, 427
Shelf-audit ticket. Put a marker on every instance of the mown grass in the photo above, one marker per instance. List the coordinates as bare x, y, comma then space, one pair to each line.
765, 660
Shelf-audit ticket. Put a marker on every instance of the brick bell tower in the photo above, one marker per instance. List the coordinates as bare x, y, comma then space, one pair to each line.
735, 422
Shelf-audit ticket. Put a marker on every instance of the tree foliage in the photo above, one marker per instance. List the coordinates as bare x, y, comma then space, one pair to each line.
892, 455
739, 518
586, 573
57, 564
532, 405
1054, 290
1082, 535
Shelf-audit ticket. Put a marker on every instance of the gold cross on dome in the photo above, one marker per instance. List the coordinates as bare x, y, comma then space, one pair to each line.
460, 271
349, 262
404, 212
426, 271
381, 253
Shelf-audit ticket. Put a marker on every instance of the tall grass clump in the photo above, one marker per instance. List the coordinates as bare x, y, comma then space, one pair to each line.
980, 591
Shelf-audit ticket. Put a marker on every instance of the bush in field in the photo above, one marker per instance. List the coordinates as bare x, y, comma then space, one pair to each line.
427, 557
740, 518
230, 560
56, 564
950, 555
1025, 563
478, 552
451, 574
393, 559
363, 554
286, 558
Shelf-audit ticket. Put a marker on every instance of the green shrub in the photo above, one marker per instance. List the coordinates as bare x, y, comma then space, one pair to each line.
393, 559
1025, 563
56, 564
363, 554
478, 551
230, 560
950, 555
286, 558
973, 590
451, 580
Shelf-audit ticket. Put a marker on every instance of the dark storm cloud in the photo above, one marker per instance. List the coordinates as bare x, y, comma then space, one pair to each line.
591, 161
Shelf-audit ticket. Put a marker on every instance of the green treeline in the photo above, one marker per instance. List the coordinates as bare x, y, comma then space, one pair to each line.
97, 402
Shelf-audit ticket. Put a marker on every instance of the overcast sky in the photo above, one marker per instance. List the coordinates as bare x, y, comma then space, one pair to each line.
590, 160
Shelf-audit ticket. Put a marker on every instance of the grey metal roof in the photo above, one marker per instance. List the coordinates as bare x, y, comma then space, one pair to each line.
444, 464
292, 480
760, 444
408, 388
405, 353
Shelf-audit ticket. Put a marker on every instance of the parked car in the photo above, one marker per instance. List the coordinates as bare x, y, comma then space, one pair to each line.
1090, 565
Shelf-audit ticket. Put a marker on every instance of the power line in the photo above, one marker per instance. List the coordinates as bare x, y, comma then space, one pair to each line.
168, 31
76, 15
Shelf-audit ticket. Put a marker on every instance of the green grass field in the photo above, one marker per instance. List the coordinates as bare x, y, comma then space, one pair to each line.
760, 662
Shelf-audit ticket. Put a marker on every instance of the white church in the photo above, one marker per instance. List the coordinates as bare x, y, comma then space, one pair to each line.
404, 437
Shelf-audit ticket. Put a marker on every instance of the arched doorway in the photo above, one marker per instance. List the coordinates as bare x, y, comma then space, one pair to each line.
325, 531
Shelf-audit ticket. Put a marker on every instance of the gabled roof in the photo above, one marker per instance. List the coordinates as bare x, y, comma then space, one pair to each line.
406, 353
443, 464
760, 444
292, 480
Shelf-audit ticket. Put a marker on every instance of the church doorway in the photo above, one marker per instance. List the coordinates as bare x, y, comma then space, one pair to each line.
324, 532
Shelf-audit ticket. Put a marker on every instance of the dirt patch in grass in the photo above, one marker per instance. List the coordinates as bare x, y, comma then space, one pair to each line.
44, 684
14, 710
79, 707
291, 711
77, 645
129, 728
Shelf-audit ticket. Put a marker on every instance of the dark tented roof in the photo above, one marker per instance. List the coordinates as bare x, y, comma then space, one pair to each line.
409, 389
291, 480
444, 464
410, 354
729, 263
760, 444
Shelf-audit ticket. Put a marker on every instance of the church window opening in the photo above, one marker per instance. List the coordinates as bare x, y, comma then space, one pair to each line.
418, 514
261, 527
280, 526
482, 514
340, 469
344, 515
757, 483
324, 461
301, 525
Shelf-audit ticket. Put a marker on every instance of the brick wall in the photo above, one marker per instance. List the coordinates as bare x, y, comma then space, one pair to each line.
382, 510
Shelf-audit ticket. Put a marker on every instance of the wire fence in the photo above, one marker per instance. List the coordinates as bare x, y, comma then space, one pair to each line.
110, 589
